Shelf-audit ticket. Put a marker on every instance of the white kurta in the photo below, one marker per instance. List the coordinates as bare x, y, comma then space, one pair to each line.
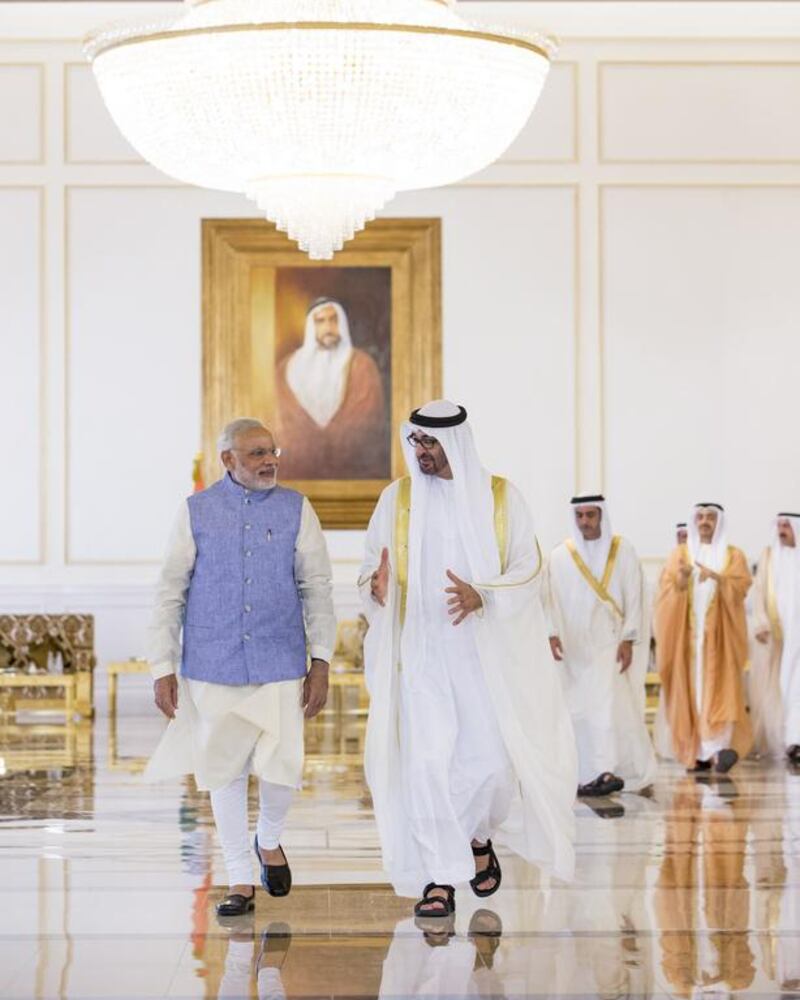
607, 707
219, 727
441, 766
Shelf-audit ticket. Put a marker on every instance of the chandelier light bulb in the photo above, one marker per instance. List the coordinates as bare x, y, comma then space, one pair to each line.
320, 111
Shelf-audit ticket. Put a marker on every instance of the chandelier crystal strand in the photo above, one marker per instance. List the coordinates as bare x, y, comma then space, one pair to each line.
319, 110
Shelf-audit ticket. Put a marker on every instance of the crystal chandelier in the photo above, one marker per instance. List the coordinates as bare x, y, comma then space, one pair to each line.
318, 110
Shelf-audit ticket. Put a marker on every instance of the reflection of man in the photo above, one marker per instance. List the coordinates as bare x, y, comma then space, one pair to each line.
702, 897
775, 687
701, 634
599, 628
331, 404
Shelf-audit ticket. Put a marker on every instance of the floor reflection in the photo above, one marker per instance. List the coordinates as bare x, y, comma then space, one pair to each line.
109, 887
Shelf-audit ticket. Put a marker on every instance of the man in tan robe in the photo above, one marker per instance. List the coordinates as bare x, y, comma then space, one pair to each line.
775, 675
701, 636
332, 419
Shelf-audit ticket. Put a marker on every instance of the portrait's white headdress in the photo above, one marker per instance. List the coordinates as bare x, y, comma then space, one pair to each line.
316, 375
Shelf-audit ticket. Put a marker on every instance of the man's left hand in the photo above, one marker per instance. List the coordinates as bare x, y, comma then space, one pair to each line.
625, 655
315, 689
706, 573
465, 599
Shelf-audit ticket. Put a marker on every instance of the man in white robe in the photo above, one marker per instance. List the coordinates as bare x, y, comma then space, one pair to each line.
775, 673
681, 533
245, 586
468, 733
600, 633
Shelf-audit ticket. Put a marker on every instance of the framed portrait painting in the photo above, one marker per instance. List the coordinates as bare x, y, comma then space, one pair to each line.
331, 355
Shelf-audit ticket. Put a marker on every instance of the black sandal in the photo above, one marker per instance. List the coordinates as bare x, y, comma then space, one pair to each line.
699, 765
793, 753
236, 905
725, 761
491, 871
446, 905
276, 879
606, 784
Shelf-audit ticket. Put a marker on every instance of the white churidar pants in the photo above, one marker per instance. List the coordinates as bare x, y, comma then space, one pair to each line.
229, 805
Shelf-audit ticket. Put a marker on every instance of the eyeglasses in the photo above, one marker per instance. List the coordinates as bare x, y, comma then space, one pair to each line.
259, 453
423, 441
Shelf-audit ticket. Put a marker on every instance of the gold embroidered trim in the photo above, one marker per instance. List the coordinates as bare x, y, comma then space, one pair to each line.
600, 587
402, 516
772, 600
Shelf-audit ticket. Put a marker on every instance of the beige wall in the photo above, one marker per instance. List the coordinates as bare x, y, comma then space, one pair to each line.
621, 303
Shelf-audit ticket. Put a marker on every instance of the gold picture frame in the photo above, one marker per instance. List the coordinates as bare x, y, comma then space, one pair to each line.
240, 260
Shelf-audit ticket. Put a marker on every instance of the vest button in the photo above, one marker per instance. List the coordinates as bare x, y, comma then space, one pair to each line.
247, 527
246, 636
247, 552
248, 579
247, 608
247, 501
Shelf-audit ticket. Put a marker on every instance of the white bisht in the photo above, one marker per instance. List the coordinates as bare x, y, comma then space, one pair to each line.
775, 674
596, 598
505, 563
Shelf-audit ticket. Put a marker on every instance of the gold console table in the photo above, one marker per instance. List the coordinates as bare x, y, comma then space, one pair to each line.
27, 644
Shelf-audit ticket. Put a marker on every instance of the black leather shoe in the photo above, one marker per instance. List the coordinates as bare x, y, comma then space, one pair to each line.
236, 905
276, 879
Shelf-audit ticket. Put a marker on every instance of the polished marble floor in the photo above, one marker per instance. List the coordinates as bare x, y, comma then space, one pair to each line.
108, 888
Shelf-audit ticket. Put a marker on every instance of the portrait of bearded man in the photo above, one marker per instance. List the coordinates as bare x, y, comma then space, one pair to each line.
332, 416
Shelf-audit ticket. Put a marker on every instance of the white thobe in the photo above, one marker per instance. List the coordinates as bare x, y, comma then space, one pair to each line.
456, 777
776, 665
219, 727
464, 718
607, 706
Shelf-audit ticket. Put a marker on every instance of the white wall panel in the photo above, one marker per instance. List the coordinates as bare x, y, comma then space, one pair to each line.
90, 133
509, 328
133, 273
707, 112
700, 319
20, 371
551, 132
21, 97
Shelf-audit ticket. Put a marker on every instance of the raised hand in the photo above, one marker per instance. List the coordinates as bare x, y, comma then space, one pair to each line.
379, 581
465, 599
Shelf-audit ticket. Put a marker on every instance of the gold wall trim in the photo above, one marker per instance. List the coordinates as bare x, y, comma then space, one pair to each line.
42, 112
365, 26
703, 161
42, 381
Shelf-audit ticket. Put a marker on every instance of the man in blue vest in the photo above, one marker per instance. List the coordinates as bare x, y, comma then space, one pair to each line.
247, 579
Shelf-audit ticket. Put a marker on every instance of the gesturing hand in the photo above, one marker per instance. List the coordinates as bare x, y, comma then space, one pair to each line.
165, 690
315, 689
706, 573
379, 581
465, 599
556, 648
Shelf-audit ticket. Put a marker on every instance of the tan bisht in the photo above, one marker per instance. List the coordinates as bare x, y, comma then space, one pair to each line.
701, 636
